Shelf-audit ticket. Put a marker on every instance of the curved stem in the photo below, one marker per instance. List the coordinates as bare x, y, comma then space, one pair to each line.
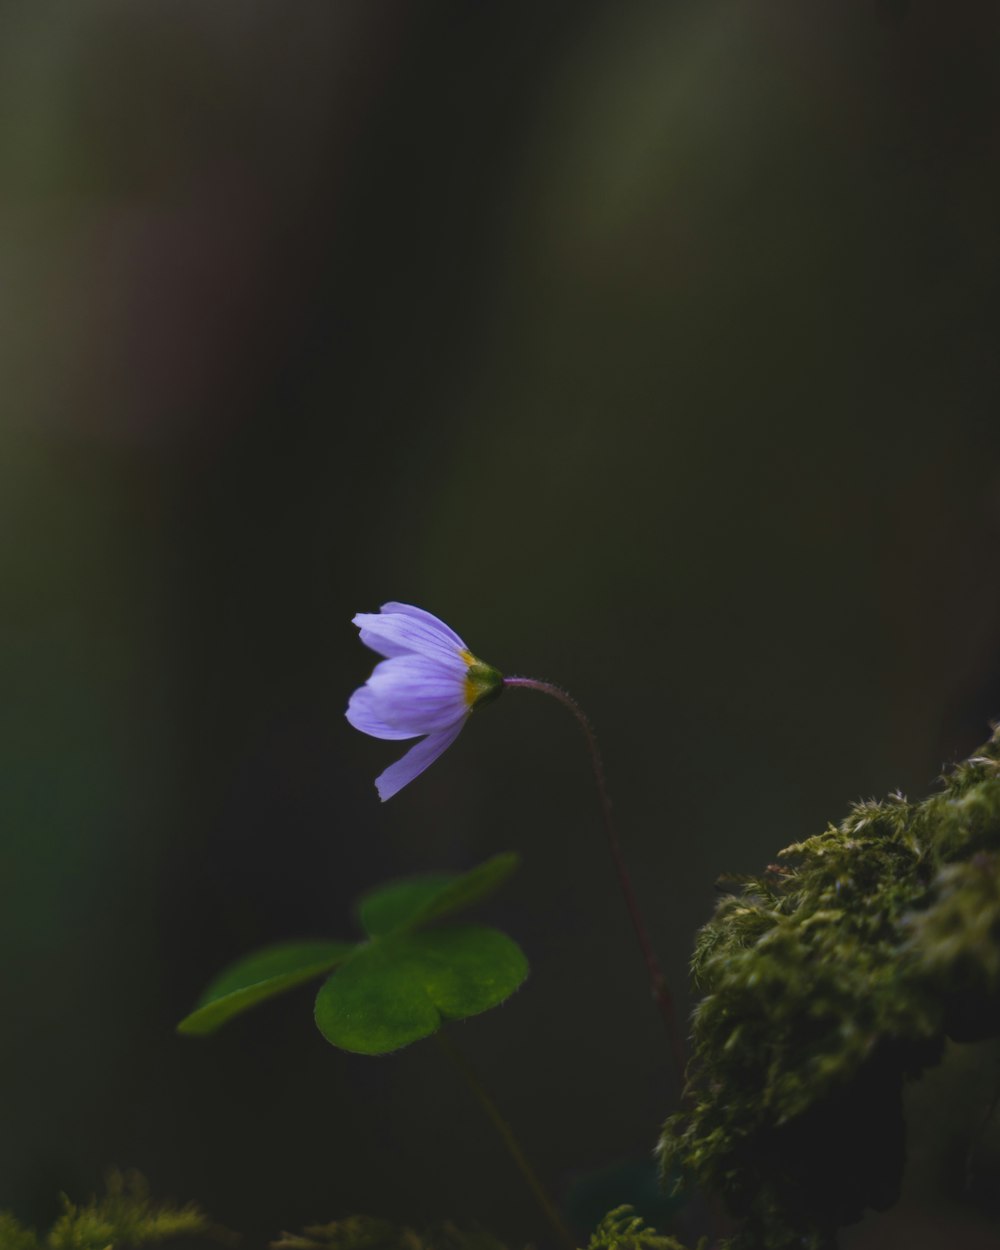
657, 981
464, 1069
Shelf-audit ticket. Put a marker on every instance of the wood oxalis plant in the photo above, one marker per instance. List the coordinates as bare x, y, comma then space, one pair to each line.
411, 973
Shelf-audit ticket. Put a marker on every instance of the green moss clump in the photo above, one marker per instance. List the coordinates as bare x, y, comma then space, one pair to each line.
828, 981
622, 1229
124, 1219
14, 1236
362, 1232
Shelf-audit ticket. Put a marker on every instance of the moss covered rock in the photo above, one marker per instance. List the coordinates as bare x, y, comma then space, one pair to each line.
828, 981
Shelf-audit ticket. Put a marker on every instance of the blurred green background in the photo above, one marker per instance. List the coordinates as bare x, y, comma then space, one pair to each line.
653, 346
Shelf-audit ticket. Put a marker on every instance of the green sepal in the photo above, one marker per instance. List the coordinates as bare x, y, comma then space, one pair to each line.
415, 901
485, 683
259, 976
401, 988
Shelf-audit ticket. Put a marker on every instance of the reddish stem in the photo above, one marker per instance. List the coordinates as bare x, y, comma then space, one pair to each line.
657, 981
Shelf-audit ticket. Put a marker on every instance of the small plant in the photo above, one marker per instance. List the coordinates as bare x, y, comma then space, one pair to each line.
411, 973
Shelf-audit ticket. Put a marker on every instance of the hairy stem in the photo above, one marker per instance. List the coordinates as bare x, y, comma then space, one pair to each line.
496, 1117
657, 981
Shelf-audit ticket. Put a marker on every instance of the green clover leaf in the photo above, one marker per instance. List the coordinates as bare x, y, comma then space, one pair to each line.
417, 901
260, 976
398, 989
399, 985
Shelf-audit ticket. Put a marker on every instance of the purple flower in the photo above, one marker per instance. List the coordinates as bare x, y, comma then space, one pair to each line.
428, 683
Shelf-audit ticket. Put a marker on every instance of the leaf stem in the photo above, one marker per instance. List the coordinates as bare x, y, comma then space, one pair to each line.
496, 1117
657, 981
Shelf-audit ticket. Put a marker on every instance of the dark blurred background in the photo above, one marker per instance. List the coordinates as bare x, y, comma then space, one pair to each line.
653, 346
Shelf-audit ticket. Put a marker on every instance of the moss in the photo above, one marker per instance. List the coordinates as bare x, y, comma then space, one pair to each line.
125, 1216
363, 1232
622, 1229
827, 982
124, 1219
14, 1236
